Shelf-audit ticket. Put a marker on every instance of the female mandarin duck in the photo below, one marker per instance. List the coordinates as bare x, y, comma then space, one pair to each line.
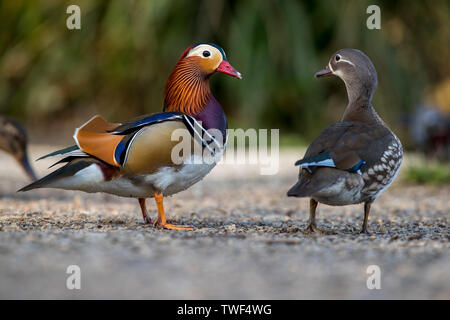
133, 159
355, 160
13, 140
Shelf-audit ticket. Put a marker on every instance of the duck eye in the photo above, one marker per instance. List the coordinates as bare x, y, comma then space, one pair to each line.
206, 53
337, 58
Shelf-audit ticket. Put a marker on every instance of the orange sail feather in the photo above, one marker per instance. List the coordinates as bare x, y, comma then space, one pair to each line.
94, 138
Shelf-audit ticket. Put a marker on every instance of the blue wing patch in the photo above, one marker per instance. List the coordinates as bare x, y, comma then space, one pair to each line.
120, 152
357, 166
323, 159
138, 123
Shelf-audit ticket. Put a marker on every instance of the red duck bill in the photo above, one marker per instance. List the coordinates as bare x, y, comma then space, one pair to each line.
226, 68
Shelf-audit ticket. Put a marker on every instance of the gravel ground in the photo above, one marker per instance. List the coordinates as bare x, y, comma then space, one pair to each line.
247, 243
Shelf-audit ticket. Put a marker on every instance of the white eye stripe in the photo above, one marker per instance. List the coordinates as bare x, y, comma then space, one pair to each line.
215, 57
343, 60
198, 51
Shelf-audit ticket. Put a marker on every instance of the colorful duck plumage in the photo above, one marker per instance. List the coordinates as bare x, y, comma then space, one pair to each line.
355, 160
134, 159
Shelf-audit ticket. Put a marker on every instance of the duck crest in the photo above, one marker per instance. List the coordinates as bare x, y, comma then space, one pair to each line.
187, 89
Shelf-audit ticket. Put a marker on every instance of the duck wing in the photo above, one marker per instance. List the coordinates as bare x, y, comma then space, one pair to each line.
346, 146
343, 149
108, 141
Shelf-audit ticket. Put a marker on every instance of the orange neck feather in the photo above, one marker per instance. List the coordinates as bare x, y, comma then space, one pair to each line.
187, 89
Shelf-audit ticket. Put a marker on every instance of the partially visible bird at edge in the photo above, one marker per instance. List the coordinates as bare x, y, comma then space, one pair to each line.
13, 140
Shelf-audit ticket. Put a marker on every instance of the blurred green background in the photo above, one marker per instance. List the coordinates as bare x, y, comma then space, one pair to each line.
117, 64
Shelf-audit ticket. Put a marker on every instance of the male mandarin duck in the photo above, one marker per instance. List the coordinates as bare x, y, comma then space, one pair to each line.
352, 161
133, 159
13, 140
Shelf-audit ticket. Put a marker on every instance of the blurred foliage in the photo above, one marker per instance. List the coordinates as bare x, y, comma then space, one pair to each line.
117, 64
431, 173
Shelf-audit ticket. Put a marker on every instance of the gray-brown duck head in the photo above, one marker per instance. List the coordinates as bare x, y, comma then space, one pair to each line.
361, 80
357, 72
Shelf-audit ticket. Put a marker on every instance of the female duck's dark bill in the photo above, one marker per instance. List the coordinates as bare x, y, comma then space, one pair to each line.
324, 73
226, 68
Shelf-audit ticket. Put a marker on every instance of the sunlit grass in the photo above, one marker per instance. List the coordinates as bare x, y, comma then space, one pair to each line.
428, 173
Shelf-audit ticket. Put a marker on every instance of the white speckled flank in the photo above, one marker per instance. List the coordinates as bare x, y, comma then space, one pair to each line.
380, 175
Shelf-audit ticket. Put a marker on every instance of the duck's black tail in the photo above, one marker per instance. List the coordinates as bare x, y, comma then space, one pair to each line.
70, 169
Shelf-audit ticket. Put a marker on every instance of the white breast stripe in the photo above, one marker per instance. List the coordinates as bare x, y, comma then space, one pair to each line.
130, 143
198, 134
207, 133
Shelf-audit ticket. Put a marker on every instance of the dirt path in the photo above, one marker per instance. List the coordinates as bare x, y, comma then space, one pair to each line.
247, 242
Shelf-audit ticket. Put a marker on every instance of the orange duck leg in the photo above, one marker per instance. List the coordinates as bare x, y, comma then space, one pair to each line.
161, 221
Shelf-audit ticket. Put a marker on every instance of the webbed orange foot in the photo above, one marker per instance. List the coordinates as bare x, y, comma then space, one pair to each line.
161, 221
172, 226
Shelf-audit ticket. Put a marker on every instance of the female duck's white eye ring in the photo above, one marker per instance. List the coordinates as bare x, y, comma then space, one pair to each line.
206, 53
337, 57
